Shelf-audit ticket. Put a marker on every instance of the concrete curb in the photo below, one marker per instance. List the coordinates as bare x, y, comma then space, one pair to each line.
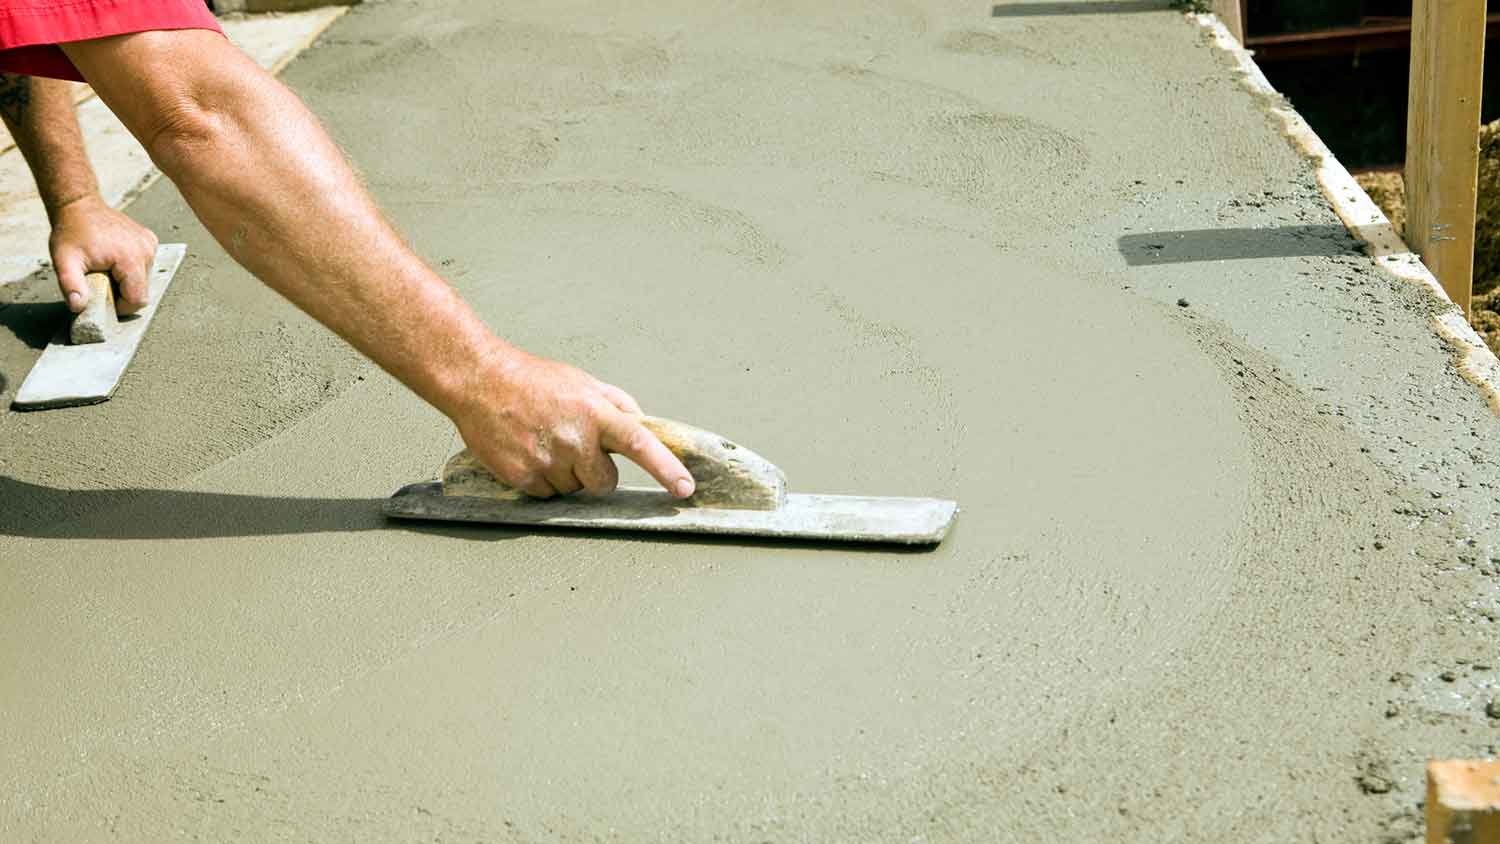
1365, 221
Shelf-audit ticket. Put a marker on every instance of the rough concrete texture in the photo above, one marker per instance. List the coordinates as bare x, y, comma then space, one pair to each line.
1227, 563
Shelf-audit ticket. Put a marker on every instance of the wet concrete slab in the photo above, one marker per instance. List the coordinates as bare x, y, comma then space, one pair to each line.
1194, 576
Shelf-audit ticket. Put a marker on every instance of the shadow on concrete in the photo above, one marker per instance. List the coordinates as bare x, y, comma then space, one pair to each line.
41, 512
492, 532
1176, 247
33, 323
1104, 7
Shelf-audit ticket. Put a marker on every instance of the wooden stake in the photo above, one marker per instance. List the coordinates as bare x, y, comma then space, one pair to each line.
1442, 138
1232, 13
1463, 802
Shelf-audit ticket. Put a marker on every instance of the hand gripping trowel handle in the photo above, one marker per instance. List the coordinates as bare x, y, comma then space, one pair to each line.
98, 320
727, 475
738, 493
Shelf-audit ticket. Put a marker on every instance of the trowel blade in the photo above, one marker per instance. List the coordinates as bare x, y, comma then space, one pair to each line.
67, 375
844, 518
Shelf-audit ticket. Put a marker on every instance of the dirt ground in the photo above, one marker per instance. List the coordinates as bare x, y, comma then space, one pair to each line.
1389, 192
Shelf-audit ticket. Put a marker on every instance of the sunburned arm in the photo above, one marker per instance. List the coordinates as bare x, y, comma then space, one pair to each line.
274, 190
87, 235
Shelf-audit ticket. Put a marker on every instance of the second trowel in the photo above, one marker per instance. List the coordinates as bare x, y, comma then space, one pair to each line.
84, 364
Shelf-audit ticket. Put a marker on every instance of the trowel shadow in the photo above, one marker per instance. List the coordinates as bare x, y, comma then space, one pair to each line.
489, 532
1103, 7
33, 323
1176, 247
36, 511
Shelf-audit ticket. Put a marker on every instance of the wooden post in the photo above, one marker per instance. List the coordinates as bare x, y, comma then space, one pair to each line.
1232, 13
1442, 138
1463, 802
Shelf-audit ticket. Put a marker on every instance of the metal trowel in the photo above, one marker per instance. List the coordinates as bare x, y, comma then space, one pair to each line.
739, 493
85, 365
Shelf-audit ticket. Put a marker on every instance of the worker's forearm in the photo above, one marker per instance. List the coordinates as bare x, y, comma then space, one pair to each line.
274, 190
269, 184
40, 116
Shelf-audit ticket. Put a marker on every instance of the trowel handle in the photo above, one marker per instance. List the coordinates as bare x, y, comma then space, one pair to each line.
728, 476
98, 318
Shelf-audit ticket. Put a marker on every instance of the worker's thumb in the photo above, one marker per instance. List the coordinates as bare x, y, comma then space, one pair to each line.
70, 277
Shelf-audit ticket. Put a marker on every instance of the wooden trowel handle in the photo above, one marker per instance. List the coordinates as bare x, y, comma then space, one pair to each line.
98, 319
727, 475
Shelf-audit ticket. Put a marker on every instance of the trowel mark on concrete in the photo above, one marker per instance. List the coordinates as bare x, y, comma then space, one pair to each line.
230, 380
994, 147
899, 129
488, 153
991, 45
527, 67
1347, 612
942, 416
697, 221
580, 69
513, 106
968, 152
881, 24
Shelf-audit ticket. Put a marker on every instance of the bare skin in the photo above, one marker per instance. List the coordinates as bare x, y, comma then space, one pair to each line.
87, 235
273, 189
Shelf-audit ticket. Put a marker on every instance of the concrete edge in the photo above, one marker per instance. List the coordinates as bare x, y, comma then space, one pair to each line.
1364, 219
333, 14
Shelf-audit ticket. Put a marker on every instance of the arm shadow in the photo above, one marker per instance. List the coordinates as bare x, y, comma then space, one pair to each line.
35, 511
43, 512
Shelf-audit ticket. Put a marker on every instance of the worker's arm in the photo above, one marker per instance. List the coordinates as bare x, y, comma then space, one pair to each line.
275, 191
87, 234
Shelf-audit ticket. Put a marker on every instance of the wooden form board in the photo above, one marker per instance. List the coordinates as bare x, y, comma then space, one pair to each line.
1463, 801
1442, 139
1232, 13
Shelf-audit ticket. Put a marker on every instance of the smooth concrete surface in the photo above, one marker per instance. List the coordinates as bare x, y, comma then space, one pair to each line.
1226, 562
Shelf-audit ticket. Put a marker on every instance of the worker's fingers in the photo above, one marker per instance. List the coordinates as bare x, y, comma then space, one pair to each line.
619, 398
536, 486
597, 473
625, 435
132, 277
71, 269
562, 479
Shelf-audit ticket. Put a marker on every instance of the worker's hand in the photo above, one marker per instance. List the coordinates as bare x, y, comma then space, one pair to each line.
89, 236
546, 428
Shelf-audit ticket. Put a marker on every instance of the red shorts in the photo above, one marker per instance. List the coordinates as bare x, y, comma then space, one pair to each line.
30, 30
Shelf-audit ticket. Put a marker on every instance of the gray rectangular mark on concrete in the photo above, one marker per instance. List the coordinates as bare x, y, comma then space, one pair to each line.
1176, 247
